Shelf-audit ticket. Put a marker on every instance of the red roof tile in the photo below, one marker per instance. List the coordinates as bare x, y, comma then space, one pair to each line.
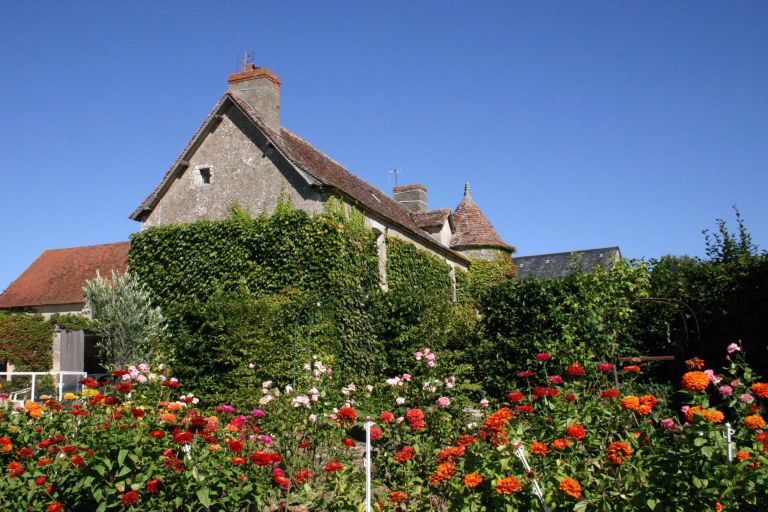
57, 276
431, 219
472, 228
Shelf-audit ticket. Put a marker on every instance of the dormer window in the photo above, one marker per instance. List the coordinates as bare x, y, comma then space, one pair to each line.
205, 175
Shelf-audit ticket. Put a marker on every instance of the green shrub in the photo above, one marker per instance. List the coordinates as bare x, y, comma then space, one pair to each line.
26, 341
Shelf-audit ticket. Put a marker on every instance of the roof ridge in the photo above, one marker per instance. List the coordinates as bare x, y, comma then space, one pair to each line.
570, 252
84, 246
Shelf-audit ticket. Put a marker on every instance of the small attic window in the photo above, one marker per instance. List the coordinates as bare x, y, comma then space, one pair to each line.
205, 175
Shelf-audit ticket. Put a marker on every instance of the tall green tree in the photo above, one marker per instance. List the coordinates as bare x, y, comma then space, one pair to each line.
124, 318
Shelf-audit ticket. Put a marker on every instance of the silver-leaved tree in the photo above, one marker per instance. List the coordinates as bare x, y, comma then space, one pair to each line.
124, 318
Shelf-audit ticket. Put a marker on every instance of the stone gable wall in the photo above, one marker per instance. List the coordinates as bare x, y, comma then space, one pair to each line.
240, 173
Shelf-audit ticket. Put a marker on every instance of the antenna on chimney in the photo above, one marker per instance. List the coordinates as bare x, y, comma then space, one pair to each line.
245, 60
395, 172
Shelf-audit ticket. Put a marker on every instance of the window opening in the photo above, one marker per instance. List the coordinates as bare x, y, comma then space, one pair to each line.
205, 175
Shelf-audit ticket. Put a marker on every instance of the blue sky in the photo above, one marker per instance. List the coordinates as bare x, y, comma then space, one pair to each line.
578, 124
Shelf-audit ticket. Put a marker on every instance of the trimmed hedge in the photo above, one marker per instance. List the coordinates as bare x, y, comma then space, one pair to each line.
26, 340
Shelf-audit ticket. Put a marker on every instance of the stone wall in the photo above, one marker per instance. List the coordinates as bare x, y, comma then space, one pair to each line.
241, 171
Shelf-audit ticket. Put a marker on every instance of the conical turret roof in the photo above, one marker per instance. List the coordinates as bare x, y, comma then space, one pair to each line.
472, 228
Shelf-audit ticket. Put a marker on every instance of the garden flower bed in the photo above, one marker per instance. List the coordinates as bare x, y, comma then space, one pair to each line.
593, 436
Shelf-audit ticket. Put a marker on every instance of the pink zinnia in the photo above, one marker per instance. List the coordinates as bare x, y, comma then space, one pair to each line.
746, 398
443, 401
733, 347
555, 379
726, 390
604, 367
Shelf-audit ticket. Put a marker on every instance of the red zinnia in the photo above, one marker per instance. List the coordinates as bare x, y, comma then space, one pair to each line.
348, 442
415, 419
137, 413
610, 393
333, 466
54, 507
183, 437
387, 417
514, 397
124, 387
154, 486
130, 498
41, 480
404, 455
376, 433
262, 458
76, 462
576, 431
543, 356
237, 461
346, 414
575, 370
157, 433
235, 446
302, 476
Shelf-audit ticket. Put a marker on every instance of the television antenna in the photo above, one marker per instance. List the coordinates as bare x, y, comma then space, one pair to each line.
395, 172
245, 60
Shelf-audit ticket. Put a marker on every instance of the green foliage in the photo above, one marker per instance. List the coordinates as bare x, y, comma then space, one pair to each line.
482, 275
581, 317
705, 303
124, 318
26, 341
71, 322
259, 289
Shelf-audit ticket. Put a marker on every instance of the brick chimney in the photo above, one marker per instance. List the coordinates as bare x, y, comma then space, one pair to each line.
411, 197
260, 88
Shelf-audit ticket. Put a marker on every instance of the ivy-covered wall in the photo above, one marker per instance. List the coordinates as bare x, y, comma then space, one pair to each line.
264, 290
26, 340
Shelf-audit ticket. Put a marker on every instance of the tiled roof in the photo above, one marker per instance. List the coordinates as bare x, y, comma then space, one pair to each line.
431, 219
560, 264
57, 276
314, 163
472, 228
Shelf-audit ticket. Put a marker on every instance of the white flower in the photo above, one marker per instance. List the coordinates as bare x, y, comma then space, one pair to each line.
312, 418
251, 366
143, 367
394, 381
141, 378
484, 403
400, 400
301, 400
288, 389
266, 383
369, 388
266, 399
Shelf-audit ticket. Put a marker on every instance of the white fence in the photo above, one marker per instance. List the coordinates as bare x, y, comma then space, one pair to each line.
32, 390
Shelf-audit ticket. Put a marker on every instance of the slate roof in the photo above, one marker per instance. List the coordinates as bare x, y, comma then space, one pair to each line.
57, 276
547, 266
472, 228
432, 218
313, 164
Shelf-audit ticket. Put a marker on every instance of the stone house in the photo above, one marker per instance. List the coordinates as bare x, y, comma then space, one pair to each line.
242, 155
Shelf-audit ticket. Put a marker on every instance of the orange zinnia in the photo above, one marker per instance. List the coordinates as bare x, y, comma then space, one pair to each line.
560, 444
539, 448
760, 389
571, 487
473, 480
444, 471
632, 369
630, 402
754, 421
618, 452
508, 485
695, 381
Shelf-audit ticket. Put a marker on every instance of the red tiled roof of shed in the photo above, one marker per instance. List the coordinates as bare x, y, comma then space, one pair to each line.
57, 276
472, 228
